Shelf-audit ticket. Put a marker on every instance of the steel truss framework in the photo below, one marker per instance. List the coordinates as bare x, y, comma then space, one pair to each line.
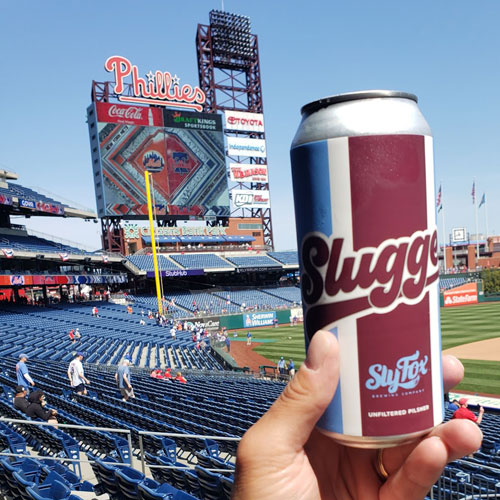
231, 80
112, 235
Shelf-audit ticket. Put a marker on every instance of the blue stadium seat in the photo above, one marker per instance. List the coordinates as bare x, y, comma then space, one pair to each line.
152, 490
128, 481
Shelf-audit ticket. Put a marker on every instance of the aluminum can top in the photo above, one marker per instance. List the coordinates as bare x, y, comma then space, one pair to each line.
367, 112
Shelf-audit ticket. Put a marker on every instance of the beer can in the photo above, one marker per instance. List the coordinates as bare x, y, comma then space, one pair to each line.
364, 194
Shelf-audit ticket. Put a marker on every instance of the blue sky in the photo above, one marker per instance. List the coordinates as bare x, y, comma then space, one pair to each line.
445, 52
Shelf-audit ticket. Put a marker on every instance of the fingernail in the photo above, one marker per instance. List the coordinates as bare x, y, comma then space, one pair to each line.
317, 351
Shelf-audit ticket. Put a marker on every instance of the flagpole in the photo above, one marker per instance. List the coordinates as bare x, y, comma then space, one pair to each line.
444, 228
477, 232
444, 239
486, 217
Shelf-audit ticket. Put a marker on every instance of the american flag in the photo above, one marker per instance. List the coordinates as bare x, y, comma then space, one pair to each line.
474, 193
438, 199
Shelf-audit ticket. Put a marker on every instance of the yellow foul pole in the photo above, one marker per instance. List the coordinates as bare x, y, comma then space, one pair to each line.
153, 243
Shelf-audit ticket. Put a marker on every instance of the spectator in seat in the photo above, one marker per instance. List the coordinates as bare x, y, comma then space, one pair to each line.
36, 408
167, 373
20, 401
23, 376
180, 378
71, 335
464, 412
454, 405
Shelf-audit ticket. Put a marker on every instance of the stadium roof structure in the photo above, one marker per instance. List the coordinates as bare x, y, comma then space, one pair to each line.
16, 199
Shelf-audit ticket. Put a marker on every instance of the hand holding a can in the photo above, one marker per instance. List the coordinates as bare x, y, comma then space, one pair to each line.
284, 456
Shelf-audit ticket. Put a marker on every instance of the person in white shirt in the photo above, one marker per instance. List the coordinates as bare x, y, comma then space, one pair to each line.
76, 375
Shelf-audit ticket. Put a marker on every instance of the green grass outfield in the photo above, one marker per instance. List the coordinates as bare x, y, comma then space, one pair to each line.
459, 325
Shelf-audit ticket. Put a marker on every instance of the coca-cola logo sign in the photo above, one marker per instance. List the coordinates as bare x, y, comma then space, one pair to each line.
129, 112
159, 87
338, 282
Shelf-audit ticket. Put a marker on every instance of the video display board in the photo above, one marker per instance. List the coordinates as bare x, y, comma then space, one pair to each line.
184, 149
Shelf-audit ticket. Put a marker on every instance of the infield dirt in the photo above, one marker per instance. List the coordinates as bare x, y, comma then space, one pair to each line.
484, 350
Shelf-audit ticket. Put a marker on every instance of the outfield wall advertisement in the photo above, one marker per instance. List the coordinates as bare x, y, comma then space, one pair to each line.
461, 295
259, 319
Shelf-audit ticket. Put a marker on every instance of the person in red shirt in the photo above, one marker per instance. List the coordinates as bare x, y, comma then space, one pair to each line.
180, 378
167, 373
464, 412
71, 335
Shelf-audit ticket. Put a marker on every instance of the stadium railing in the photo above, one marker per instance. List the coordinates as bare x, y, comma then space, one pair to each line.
180, 436
19, 423
454, 483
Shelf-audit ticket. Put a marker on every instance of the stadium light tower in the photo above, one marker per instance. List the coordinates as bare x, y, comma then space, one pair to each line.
229, 74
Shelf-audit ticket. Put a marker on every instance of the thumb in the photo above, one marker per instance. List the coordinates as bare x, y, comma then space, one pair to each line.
295, 413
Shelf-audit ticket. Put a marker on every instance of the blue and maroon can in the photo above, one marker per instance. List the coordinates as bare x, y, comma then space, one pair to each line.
363, 182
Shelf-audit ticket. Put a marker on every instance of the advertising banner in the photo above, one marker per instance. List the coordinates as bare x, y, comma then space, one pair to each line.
25, 280
210, 323
27, 204
17, 280
241, 172
245, 122
242, 146
247, 198
461, 295
173, 273
129, 115
51, 208
193, 121
259, 319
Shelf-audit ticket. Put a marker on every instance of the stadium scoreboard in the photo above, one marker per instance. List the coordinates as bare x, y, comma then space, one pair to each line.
184, 149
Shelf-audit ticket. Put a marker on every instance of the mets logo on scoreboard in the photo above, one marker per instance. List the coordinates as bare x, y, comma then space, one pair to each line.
153, 161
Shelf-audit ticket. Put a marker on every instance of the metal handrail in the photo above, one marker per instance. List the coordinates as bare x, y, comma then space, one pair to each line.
129, 440
73, 426
179, 435
61, 459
